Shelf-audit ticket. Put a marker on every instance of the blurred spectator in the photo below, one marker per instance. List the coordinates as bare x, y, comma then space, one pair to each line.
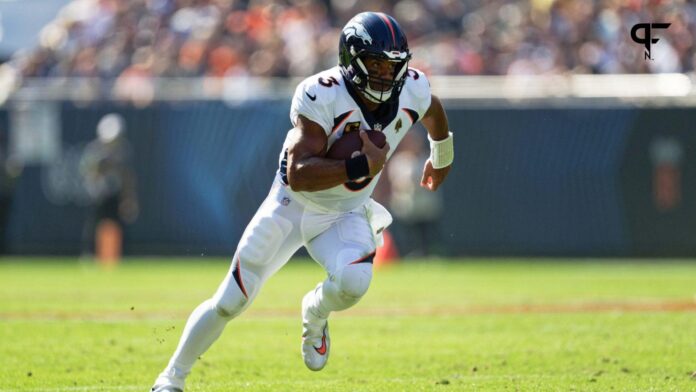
415, 207
109, 38
110, 182
9, 172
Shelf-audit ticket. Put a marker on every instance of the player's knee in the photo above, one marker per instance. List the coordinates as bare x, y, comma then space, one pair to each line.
230, 306
236, 292
354, 279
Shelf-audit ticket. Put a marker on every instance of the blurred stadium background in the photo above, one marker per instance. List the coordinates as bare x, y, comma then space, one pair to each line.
569, 142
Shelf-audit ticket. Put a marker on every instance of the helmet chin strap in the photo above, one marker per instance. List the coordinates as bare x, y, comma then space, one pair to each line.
370, 94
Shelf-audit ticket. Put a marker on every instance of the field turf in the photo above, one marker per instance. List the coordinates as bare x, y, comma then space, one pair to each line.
474, 325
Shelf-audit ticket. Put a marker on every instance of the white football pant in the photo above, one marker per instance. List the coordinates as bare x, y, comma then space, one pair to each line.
343, 243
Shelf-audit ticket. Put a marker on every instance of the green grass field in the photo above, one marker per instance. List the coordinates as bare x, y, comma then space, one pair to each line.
479, 325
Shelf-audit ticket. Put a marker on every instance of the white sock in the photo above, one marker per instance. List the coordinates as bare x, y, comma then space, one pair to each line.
203, 327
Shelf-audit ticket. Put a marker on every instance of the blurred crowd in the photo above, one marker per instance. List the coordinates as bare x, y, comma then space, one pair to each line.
180, 38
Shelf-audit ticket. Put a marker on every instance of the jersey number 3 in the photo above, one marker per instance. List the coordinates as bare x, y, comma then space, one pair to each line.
331, 81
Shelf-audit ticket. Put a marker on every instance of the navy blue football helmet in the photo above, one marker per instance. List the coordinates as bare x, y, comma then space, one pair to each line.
373, 35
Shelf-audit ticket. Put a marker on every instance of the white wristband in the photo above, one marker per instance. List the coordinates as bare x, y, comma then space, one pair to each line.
441, 151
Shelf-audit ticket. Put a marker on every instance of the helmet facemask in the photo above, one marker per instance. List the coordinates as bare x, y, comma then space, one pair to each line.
373, 87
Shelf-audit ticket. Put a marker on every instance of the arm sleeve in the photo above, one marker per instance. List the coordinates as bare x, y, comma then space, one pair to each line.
317, 109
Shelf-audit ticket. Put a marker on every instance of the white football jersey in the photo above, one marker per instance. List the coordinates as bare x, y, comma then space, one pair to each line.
325, 99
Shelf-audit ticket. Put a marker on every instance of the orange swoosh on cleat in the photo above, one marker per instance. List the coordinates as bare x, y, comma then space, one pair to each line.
322, 349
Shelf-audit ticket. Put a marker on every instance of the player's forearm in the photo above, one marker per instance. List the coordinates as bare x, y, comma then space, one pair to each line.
435, 120
316, 174
440, 137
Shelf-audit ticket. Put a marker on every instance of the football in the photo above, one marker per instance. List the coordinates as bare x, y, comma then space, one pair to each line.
350, 143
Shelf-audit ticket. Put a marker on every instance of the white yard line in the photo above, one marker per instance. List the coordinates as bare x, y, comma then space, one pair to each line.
580, 307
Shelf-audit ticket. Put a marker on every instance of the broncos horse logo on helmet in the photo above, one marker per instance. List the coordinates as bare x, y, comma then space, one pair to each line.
356, 29
375, 35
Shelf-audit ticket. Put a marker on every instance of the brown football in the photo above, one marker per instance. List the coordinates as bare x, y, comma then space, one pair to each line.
350, 142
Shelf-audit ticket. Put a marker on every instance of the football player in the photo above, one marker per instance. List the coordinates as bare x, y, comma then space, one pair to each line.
324, 204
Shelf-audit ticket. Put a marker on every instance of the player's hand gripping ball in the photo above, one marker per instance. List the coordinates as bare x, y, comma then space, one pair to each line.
350, 144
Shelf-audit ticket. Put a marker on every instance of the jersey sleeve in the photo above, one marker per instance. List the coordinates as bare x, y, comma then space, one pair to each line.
419, 87
314, 102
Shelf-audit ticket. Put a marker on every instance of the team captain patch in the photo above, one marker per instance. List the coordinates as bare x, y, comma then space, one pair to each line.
352, 126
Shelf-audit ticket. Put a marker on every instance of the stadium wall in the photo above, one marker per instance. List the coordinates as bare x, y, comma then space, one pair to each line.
530, 181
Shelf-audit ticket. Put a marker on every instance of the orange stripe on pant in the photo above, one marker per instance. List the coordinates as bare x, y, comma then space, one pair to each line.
364, 259
238, 277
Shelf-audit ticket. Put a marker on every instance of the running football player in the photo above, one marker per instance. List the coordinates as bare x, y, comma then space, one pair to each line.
324, 204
